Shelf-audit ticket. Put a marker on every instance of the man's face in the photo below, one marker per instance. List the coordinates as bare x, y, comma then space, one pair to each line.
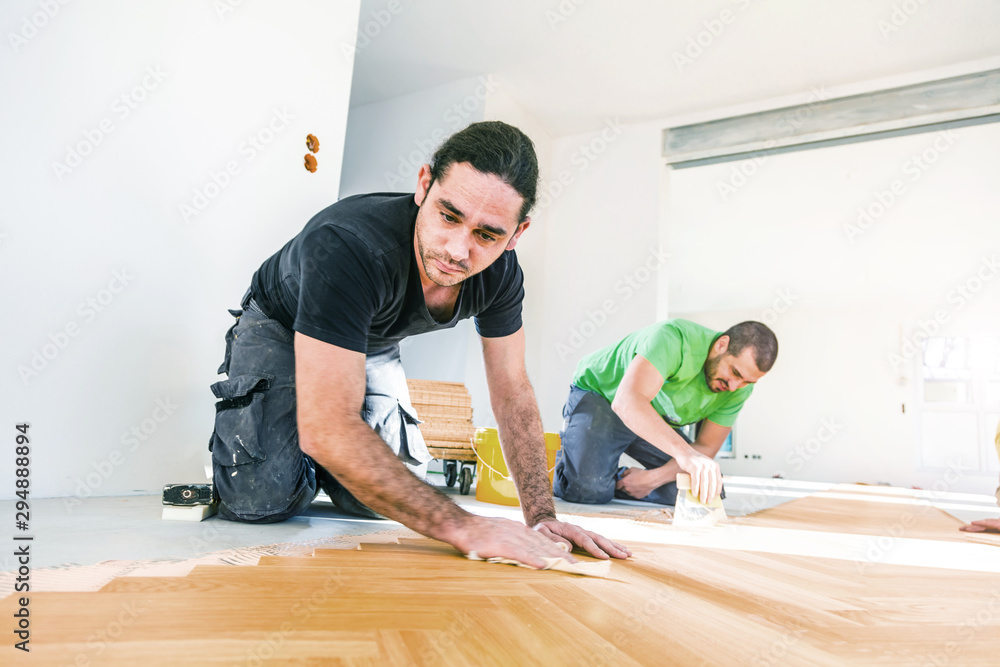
465, 222
725, 372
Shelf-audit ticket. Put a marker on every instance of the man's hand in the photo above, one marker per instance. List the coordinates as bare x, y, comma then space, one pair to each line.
706, 476
570, 535
982, 526
638, 482
503, 538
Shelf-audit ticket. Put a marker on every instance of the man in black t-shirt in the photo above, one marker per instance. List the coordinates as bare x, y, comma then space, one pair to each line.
316, 396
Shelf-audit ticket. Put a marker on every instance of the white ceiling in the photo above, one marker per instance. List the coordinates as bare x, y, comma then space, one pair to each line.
575, 63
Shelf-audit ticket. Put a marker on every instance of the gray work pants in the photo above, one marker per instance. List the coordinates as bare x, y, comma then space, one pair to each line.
593, 440
260, 473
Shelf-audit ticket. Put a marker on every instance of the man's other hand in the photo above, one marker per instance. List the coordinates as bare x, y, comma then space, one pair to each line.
571, 536
637, 482
982, 526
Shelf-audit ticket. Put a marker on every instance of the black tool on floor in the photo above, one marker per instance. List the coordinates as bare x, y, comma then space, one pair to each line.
188, 494
189, 502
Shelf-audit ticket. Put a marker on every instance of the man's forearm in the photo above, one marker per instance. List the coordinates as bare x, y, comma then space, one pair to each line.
523, 440
362, 462
645, 422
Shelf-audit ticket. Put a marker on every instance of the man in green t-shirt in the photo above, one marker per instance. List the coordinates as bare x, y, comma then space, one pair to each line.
631, 397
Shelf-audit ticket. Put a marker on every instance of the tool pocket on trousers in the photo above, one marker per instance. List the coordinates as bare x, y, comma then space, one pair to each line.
238, 419
411, 439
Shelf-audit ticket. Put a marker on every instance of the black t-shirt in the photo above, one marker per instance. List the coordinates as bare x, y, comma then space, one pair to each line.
350, 278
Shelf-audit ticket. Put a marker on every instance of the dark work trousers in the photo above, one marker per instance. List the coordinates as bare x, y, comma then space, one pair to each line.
593, 440
260, 474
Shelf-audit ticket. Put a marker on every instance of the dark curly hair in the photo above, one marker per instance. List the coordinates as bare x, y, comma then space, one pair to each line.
493, 147
757, 336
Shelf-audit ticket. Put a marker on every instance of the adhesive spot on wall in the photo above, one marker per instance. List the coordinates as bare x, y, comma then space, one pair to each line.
312, 143
310, 163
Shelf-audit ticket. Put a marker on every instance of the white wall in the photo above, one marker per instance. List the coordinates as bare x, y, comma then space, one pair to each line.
603, 256
849, 252
388, 141
114, 295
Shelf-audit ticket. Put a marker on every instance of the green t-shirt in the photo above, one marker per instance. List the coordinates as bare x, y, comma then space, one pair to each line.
678, 349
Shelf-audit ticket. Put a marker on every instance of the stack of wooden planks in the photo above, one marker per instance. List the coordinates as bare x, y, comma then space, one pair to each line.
446, 411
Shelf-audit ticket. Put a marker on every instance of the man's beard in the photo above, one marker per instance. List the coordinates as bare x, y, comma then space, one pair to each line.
432, 271
711, 366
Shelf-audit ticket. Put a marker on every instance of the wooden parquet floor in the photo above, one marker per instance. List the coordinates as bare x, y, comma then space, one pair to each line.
864, 516
419, 602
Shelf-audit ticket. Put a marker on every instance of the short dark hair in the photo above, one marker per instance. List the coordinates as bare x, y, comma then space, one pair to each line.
757, 336
493, 147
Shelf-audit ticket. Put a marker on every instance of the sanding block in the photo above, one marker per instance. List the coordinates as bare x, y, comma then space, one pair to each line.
691, 512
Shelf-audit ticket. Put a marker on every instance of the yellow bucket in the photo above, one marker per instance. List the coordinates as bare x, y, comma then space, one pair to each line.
494, 484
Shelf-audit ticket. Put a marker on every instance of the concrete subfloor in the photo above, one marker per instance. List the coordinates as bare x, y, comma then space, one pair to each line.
98, 529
